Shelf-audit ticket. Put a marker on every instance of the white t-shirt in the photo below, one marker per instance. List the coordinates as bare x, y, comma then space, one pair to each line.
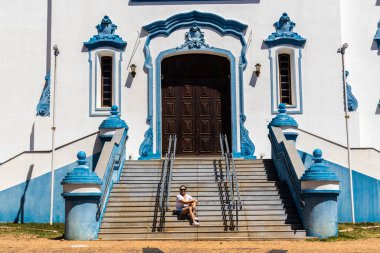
179, 204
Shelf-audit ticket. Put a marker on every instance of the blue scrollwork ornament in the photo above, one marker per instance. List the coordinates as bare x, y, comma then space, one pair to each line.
43, 106
246, 145
194, 39
352, 102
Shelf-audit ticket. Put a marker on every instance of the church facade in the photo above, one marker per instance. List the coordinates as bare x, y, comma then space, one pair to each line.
195, 69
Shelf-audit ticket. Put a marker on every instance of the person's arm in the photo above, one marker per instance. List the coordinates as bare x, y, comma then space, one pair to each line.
189, 201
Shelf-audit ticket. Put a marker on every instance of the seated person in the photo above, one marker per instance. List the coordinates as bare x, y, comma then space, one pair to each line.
185, 204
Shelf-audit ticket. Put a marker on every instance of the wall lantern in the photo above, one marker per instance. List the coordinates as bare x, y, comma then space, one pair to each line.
258, 68
133, 70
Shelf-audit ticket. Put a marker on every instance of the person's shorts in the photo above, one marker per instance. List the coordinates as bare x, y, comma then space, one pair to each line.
181, 216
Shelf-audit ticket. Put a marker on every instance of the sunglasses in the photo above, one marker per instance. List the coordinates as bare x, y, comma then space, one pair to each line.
182, 190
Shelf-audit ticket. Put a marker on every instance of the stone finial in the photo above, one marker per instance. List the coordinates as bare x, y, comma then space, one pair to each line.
318, 171
113, 121
283, 119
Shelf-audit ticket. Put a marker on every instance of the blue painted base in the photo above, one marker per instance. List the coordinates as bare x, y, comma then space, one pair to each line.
30, 200
291, 136
366, 192
81, 221
320, 215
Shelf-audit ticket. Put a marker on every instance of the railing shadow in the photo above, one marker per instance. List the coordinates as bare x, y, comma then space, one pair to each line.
20, 214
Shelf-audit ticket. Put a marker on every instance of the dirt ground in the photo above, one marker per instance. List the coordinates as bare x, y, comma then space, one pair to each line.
30, 244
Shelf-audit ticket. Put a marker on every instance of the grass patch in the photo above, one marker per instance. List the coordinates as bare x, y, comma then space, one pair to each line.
39, 230
349, 231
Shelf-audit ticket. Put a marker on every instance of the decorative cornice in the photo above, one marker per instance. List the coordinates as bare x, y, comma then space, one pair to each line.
82, 173
284, 34
43, 106
283, 119
319, 171
203, 19
194, 39
377, 35
113, 121
352, 102
106, 36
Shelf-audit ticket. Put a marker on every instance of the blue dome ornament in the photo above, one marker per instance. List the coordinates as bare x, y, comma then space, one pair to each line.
318, 171
108, 126
283, 119
82, 173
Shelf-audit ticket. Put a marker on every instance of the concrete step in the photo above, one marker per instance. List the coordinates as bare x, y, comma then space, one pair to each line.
199, 235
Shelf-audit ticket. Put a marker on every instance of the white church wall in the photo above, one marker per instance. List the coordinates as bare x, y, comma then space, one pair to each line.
359, 25
74, 23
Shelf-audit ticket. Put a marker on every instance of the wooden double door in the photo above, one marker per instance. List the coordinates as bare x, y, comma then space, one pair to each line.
196, 102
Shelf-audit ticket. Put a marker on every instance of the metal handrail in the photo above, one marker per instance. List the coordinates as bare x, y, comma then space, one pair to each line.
167, 172
172, 158
231, 158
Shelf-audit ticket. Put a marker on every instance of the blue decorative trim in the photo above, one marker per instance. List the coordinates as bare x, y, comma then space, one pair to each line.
82, 195
43, 106
168, 26
284, 34
106, 36
246, 145
146, 147
283, 119
377, 35
113, 121
352, 102
319, 171
210, 50
194, 38
82, 173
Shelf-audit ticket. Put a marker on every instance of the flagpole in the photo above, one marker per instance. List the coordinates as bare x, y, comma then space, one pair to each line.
56, 53
342, 51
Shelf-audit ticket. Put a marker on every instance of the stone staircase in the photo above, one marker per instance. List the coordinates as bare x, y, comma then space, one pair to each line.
133, 212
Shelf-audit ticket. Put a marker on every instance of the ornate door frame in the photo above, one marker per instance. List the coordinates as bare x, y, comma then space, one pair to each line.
194, 42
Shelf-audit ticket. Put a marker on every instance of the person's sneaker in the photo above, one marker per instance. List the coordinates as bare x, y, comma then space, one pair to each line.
196, 224
196, 218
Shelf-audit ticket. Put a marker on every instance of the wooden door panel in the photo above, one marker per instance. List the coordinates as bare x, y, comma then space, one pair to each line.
196, 102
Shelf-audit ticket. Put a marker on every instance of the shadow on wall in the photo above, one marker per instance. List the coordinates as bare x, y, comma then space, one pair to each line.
20, 214
377, 2
374, 46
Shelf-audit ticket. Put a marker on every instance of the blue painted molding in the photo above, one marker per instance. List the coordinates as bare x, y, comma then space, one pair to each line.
377, 35
82, 173
283, 119
246, 145
113, 121
43, 106
284, 34
146, 147
352, 102
106, 36
165, 28
318, 171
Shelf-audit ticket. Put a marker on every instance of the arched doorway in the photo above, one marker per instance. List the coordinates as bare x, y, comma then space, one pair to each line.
196, 102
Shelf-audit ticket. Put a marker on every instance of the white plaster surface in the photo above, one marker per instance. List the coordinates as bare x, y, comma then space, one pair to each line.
81, 188
319, 185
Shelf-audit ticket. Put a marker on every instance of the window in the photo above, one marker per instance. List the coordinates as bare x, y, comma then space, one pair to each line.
106, 80
285, 79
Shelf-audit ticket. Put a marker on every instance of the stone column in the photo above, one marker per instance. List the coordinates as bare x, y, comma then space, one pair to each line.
109, 125
320, 190
81, 191
287, 124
